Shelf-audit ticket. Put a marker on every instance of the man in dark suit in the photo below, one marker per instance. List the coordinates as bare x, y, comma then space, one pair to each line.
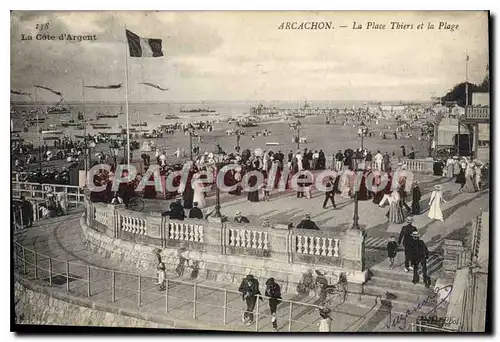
419, 255
177, 211
405, 236
249, 289
306, 223
195, 212
330, 193
241, 219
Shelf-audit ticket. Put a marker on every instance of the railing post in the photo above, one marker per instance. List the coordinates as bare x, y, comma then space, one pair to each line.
24, 260
21, 216
113, 275
257, 314
290, 318
35, 261
166, 295
139, 292
67, 276
194, 301
88, 281
225, 306
50, 271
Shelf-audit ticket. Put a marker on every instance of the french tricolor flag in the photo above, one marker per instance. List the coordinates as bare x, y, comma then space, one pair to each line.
143, 47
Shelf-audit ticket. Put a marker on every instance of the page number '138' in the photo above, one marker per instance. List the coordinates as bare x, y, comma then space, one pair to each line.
43, 26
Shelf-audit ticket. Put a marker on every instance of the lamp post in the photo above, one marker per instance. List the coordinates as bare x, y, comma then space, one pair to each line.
355, 217
190, 130
218, 155
298, 135
238, 140
363, 131
115, 152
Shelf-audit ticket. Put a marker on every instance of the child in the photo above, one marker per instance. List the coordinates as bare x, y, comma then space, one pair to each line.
326, 321
266, 190
392, 247
273, 291
160, 271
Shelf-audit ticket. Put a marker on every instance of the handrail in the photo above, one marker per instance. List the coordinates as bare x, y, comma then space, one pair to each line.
52, 271
418, 325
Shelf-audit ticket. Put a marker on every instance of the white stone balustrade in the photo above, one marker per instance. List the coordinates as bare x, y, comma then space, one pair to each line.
185, 231
247, 238
132, 222
101, 213
317, 245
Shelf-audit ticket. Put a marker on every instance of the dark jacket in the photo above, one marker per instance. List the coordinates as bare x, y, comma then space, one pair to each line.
307, 224
177, 212
242, 219
392, 248
273, 291
405, 234
196, 213
419, 251
249, 286
339, 156
416, 194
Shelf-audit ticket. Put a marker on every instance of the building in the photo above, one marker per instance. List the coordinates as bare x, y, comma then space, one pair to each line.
477, 119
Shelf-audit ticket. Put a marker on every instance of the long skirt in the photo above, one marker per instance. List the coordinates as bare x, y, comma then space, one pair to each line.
449, 171
469, 184
396, 213
460, 177
378, 197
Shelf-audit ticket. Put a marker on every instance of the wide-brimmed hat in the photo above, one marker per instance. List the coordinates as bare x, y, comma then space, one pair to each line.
438, 187
415, 234
238, 213
409, 219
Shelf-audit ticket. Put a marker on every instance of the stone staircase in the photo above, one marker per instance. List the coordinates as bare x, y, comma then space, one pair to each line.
396, 290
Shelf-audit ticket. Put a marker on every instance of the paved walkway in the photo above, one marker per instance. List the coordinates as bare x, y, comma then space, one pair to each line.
60, 239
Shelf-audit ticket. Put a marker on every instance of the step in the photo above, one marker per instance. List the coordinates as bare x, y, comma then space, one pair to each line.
434, 266
401, 295
404, 284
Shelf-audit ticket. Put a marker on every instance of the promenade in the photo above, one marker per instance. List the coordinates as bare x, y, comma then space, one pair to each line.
218, 305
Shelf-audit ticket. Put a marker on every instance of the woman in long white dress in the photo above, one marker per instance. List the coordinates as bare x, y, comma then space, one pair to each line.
345, 185
435, 212
199, 193
470, 180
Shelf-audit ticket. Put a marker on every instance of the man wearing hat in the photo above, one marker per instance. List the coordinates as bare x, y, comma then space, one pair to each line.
419, 255
405, 236
241, 219
306, 223
249, 289
177, 211
196, 212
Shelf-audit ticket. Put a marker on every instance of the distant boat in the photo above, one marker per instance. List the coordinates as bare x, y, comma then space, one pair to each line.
58, 110
101, 115
171, 117
157, 114
197, 110
142, 124
100, 126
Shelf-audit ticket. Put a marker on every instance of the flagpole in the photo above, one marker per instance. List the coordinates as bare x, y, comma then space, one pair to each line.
126, 97
38, 132
87, 156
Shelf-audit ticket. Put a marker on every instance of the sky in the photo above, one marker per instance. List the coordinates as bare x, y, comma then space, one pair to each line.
243, 56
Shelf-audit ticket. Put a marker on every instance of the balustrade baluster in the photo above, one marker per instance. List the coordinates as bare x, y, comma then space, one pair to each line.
248, 238
323, 246
176, 227
196, 234
259, 241
238, 238
191, 232
330, 247
201, 234
254, 239
299, 244
231, 237
171, 230
336, 248
266, 242
317, 246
